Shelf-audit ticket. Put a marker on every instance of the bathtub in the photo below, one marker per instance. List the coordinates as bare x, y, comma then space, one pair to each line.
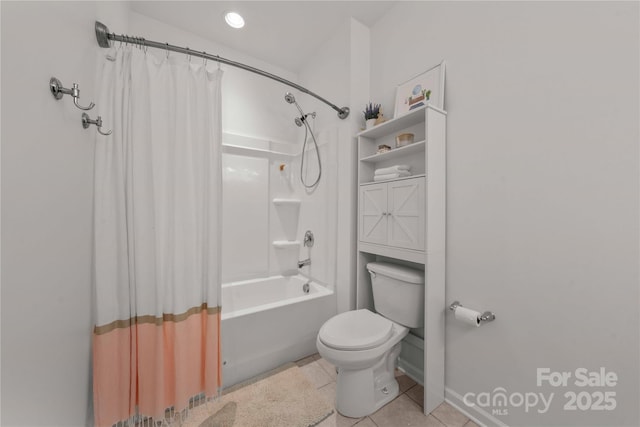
268, 322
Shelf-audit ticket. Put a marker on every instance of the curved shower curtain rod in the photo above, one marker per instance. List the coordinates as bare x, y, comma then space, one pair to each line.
103, 36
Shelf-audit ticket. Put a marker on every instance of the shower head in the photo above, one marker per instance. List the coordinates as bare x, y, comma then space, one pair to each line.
299, 121
292, 100
289, 98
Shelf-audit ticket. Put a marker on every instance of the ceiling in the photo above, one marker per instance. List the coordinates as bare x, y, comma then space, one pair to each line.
283, 33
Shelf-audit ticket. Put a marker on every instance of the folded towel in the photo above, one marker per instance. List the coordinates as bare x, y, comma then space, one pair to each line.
391, 176
392, 169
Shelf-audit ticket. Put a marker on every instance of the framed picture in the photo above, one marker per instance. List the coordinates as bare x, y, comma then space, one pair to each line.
426, 87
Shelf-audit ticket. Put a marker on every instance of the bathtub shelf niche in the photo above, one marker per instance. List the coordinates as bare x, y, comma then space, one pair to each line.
285, 214
286, 244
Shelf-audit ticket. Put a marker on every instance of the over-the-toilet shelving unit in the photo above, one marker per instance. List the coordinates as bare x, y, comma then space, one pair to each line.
402, 220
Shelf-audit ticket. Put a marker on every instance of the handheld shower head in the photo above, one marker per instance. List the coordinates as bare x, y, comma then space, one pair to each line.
299, 121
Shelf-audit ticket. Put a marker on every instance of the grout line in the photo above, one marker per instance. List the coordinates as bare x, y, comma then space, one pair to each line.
442, 422
414, 402
447, 425
329, 383
317, 357
372, 422
324, 369
412, 387
411, 399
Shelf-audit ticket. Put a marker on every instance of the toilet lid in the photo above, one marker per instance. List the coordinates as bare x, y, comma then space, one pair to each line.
356, 330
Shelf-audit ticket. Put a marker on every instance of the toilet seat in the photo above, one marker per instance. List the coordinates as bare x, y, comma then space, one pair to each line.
356, 330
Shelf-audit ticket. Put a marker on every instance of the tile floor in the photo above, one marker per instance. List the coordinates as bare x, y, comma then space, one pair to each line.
404, 410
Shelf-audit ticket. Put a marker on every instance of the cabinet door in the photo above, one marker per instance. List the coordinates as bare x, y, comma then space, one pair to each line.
373, 213
406, 213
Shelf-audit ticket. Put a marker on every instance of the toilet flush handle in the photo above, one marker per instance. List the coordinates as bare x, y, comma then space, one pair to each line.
373, 274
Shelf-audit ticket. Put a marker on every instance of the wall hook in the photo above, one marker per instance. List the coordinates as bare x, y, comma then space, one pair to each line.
58, 91
309, 239
86, 121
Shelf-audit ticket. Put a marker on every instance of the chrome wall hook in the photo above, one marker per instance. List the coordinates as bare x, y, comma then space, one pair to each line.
86, 122
58, 91
309, 239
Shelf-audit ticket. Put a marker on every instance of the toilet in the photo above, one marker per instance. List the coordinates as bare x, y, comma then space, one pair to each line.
364, 345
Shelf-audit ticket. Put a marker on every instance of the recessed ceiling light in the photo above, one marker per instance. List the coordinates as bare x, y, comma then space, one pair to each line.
234, 19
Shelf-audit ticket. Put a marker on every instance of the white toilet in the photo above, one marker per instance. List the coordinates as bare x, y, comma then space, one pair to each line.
364, 346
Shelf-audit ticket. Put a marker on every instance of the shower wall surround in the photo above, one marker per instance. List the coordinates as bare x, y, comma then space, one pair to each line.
257, 172
245, 231
319, 208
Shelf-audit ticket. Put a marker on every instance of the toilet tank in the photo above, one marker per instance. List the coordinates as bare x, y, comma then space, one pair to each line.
398, 293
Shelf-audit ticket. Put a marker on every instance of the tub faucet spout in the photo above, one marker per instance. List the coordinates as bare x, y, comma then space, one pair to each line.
304, 262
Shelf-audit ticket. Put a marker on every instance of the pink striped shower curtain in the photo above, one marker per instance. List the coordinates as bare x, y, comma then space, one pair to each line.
156, 340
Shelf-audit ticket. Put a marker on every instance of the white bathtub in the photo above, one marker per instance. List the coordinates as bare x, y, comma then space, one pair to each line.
268, 322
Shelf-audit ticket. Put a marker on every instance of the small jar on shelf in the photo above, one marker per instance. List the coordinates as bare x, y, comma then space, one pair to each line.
383, 149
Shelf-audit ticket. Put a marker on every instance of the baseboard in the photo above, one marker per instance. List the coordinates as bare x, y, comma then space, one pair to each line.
477, 415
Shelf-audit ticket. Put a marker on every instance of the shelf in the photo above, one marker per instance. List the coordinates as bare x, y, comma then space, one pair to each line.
286, 202
412, 118
416, 147
286, 244
393, 252
395, 124
394, 179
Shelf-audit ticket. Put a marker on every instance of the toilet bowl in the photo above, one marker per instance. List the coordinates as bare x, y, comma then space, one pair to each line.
366, 379
364, 345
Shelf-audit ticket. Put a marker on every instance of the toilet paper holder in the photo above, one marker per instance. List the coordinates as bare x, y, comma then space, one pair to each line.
487, 316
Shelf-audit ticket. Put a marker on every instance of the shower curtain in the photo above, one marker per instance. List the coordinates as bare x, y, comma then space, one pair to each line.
156, 339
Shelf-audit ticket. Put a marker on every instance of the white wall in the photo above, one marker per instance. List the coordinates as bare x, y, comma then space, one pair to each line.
47, 186
252, 105
339, 71
542, 213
